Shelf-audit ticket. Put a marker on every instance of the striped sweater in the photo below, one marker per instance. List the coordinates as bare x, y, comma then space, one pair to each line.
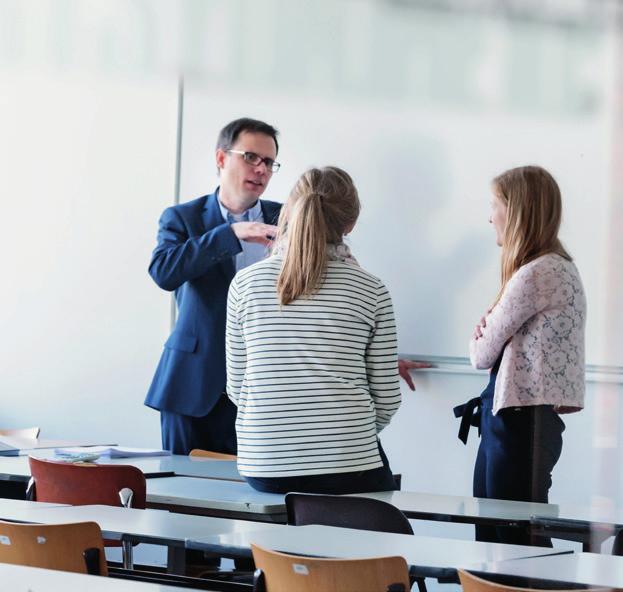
314, 380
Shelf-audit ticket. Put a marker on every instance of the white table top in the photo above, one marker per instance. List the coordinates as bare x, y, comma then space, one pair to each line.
592, 569
13, 445
587, 515
19, 578
16, 468
149, 526
431, 556
10, 508
187, 466
420, 505
241, 497
211, 494
465, 509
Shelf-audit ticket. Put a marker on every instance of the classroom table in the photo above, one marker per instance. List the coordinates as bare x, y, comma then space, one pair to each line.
205, 468
8, 506
20, 578
454, 508
201, 496
239, 500
155, 527
590, 525
16, 446
211, 497
16, 468
592, 569
428, 556
568, 522
431, 557
189, 495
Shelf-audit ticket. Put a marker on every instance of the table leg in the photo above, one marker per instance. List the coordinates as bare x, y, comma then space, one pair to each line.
176, 560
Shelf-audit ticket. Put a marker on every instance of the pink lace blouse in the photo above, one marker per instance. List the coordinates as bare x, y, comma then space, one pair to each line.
541, 318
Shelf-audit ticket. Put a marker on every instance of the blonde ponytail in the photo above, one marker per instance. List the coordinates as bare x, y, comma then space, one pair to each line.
321, 207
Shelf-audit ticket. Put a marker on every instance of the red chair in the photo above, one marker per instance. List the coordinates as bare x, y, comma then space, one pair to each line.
81, 484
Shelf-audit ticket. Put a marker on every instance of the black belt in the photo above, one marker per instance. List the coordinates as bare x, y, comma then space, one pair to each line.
470, 416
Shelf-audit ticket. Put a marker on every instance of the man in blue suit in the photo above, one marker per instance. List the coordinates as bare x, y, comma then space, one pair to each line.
201, 245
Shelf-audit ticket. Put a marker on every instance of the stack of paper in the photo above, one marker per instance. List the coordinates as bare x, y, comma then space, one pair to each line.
112, 451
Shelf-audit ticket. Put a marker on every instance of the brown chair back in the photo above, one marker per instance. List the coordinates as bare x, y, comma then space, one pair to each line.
67, 547
284, 573
472, 583
199, 453
81, 484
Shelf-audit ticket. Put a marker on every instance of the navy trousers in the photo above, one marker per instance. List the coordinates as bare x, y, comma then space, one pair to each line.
215, 431
518, 450
380, 479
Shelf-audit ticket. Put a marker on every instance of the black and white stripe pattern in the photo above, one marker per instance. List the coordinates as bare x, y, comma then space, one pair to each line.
315, 380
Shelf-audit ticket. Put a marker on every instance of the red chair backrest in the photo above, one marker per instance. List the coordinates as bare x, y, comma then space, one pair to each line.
82, 484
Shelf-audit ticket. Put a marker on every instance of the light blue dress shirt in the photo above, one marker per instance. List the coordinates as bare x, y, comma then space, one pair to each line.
251, 252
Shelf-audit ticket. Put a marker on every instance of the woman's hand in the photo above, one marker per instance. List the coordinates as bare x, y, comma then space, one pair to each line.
481, 325
404, 366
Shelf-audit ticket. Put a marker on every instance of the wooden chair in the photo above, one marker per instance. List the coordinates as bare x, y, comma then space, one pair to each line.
199, 453
81, 484
67, 547
28, 433
472, 583
348, 512
278, 572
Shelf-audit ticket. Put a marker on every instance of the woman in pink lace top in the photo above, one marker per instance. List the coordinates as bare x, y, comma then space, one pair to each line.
532, 339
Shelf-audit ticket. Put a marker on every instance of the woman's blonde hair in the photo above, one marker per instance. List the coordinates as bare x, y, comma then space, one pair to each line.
322, 206
533, 216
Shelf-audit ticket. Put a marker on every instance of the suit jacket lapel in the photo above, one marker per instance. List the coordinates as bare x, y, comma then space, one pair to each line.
212, 217
270, 212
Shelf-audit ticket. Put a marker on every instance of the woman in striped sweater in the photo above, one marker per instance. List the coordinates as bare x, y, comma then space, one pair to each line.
311, 352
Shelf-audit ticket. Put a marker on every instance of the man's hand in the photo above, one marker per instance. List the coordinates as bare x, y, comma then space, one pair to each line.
405, 365
254, 232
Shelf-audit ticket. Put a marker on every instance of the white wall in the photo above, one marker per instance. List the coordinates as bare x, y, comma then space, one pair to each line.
88, 164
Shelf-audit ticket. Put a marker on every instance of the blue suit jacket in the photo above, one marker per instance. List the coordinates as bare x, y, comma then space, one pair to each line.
195, 257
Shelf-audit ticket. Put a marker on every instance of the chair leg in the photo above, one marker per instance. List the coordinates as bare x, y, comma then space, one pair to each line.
421, 585
127, 552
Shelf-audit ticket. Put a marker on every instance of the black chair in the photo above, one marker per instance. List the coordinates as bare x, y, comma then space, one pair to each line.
617, 547
361, 513
348, 512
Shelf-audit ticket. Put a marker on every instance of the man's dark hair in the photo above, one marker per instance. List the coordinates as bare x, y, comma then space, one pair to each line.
229, 134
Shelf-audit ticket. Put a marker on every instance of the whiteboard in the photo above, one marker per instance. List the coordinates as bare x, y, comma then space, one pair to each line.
423, 171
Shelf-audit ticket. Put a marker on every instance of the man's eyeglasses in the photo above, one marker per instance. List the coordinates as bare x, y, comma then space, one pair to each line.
255, 159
